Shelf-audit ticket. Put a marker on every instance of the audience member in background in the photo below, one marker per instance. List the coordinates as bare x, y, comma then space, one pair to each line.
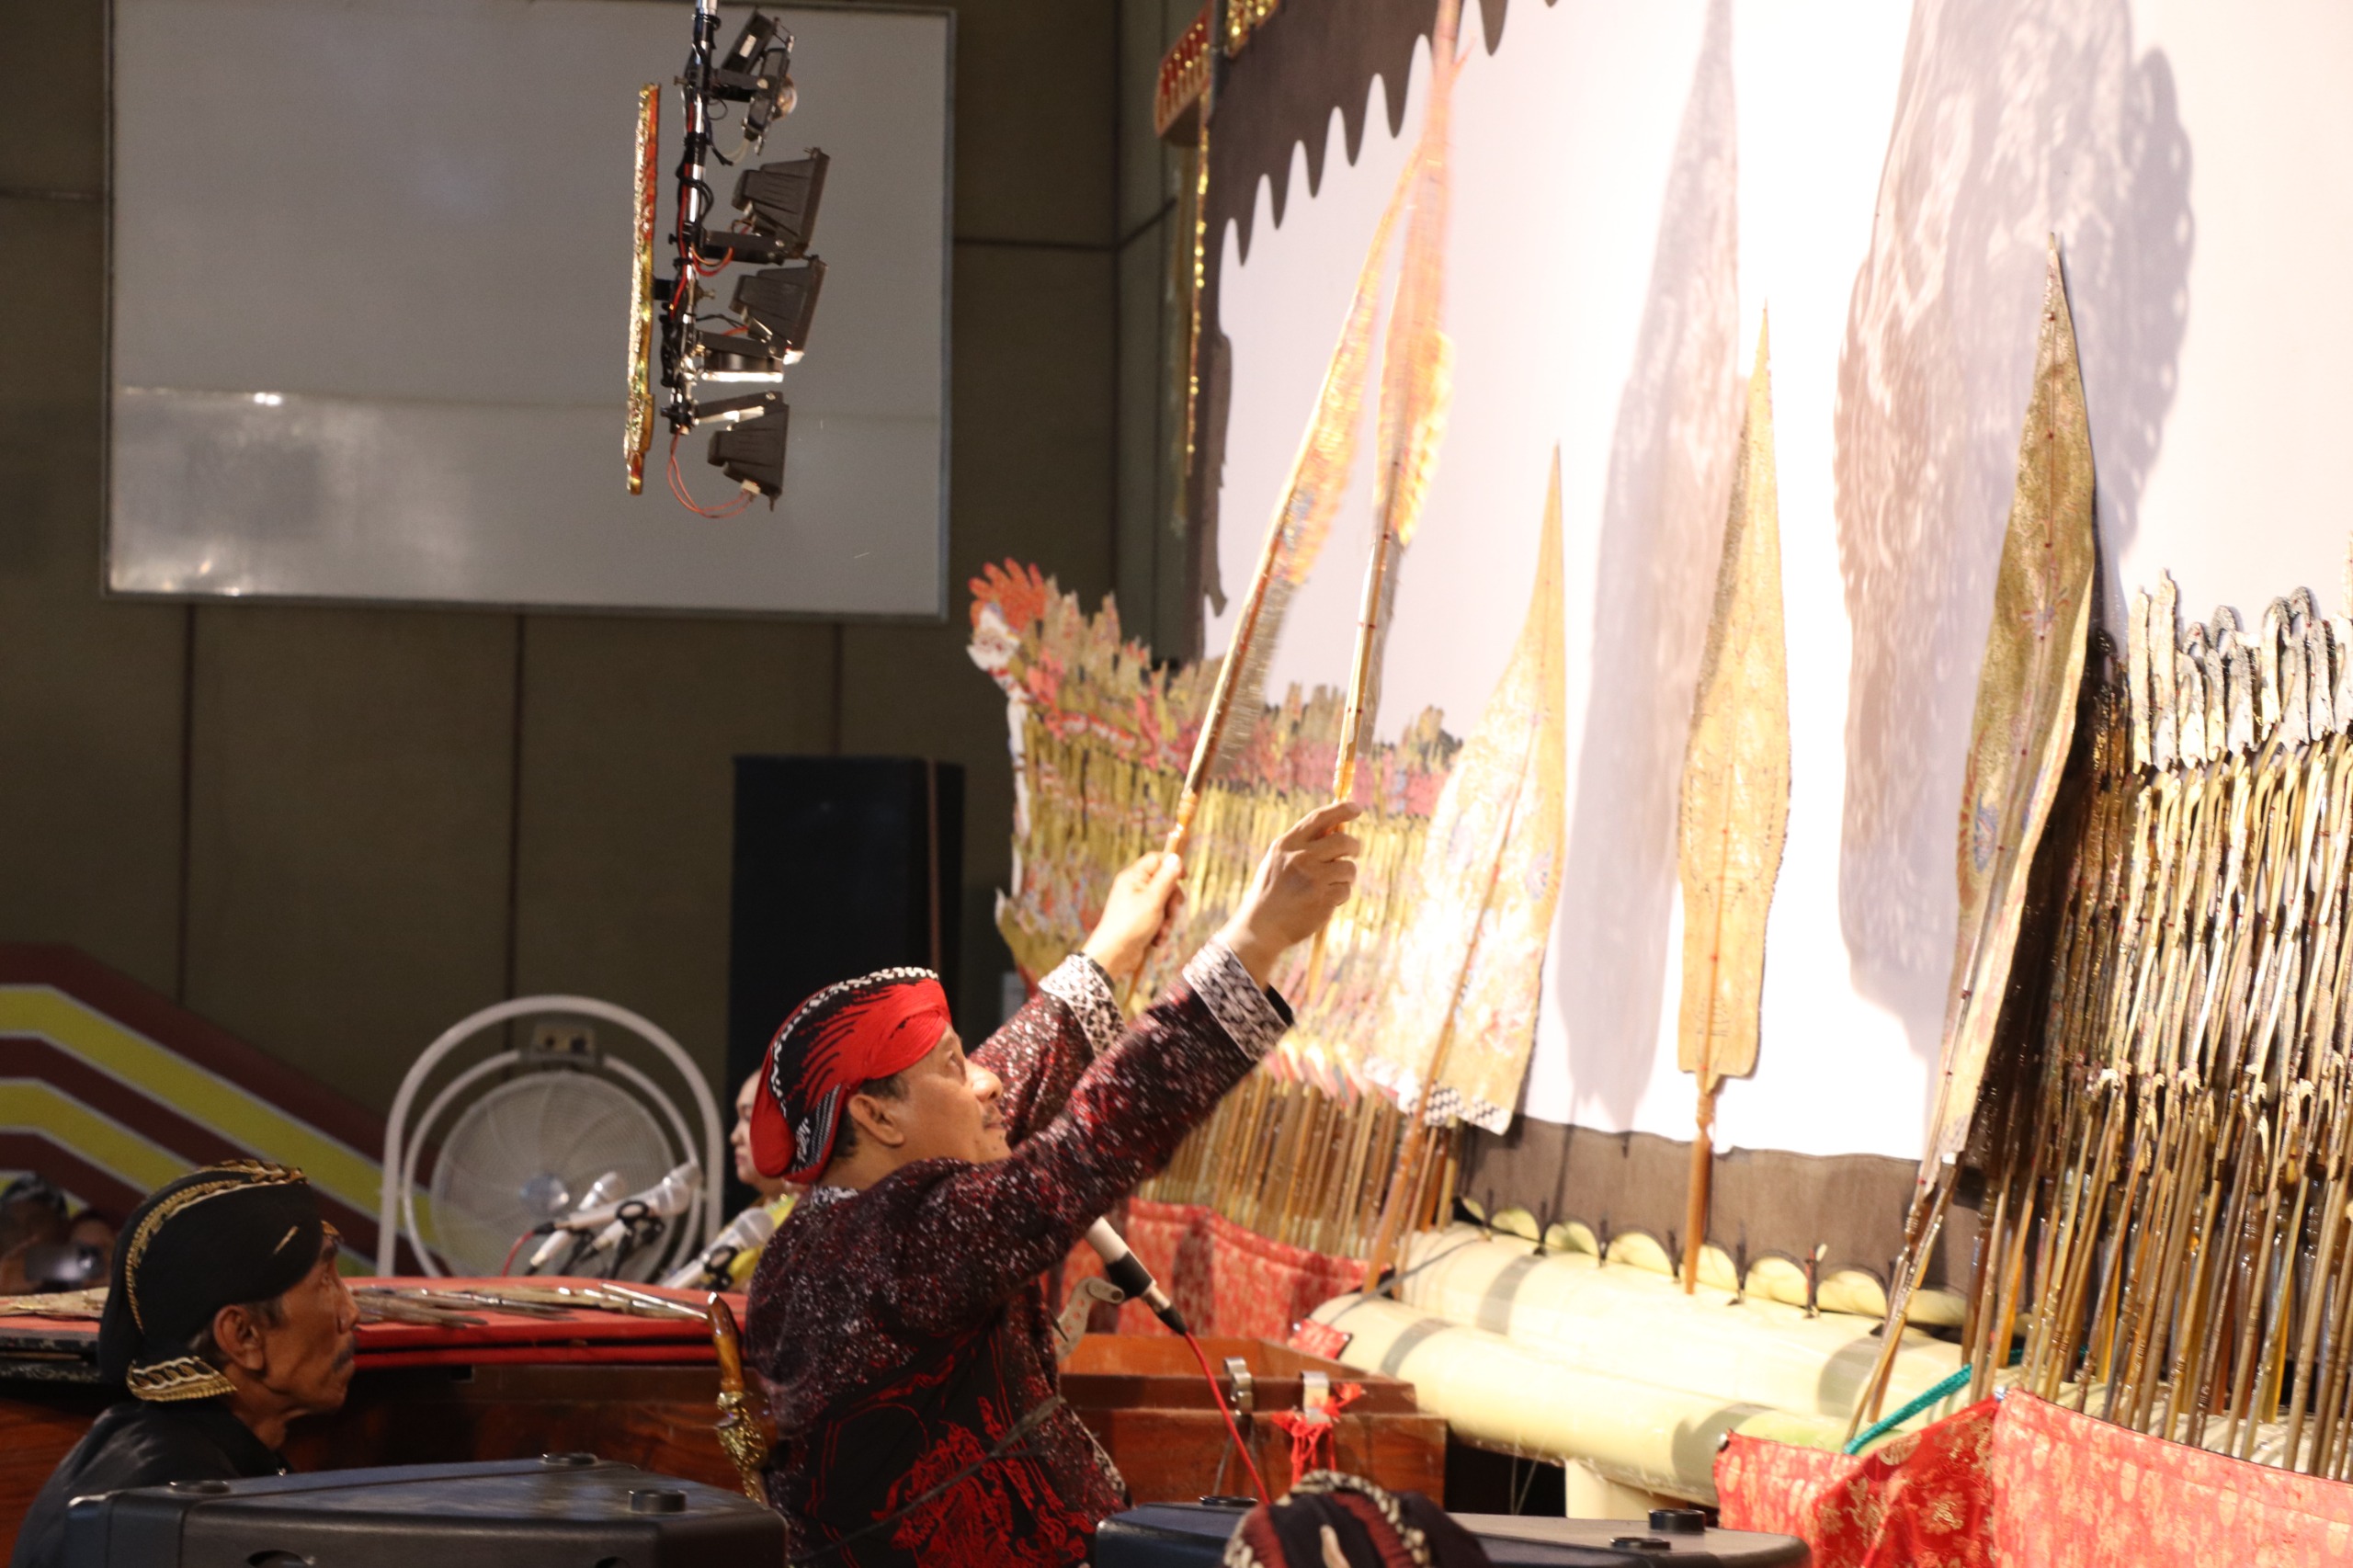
739, 1142
32, 1216
94, 1232
226, 1320
40, 1249
728, 1261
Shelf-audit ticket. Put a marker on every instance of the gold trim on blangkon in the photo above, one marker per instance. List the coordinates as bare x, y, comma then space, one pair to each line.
243, 1174
182, 1378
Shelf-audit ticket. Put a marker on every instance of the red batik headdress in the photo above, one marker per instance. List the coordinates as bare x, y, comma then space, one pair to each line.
846, 1035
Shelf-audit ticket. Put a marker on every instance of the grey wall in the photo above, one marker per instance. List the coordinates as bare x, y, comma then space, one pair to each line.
335, 831
1155, 259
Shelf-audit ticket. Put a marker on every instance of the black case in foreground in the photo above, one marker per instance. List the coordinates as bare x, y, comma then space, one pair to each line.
559, 1511
1193, 1535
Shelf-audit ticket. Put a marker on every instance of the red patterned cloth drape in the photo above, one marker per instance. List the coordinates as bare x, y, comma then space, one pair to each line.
2024, 1483
2077, 1490
1923, 1500
1224, 1278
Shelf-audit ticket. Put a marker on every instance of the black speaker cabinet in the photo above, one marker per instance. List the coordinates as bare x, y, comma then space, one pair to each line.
843, 865
560, 1511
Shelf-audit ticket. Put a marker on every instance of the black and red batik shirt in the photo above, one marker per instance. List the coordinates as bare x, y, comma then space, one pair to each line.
904, 1331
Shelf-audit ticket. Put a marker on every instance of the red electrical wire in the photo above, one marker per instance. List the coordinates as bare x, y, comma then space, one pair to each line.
678, 489
1257, 1482
508, 1267
690, 260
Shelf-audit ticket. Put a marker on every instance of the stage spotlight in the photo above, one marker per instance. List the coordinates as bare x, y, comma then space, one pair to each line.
743, 56
738, 360
751, 451
772, 308
773, 102
756, 71
736, 410
718, 247
779, 304
781, 198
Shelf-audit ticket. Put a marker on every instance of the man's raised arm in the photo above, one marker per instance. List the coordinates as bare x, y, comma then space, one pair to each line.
1008, 1220
1075, 1017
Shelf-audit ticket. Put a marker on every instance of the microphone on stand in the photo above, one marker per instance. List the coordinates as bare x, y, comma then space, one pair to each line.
665, 1199
1126, 1270
547, 1249
674, 1194
747, 1232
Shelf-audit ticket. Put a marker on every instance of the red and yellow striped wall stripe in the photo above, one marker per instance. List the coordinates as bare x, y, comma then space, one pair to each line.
129, 1156
243, 1119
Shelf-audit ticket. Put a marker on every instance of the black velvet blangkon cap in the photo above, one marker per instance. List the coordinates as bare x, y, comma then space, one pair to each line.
216, 1237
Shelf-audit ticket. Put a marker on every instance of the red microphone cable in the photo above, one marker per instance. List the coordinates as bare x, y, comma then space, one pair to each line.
1127, 1273
1257, 1482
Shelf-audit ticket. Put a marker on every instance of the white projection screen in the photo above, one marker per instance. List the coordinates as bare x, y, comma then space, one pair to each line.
1633, 186
368, 303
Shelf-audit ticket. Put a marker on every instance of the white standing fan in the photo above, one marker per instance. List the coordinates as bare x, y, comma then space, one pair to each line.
527, 1149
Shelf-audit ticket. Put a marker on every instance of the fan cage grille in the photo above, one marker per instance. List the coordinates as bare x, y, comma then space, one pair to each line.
556, 1122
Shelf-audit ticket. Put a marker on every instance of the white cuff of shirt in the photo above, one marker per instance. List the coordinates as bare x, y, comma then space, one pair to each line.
1079, 983
1243, 1009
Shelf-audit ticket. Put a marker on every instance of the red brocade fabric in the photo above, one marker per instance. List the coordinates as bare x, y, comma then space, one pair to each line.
1225, 1278
903, 1330
2024, 1483
1923, 1500
2072, 1490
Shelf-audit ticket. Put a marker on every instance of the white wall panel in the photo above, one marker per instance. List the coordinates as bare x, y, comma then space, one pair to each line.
367, 310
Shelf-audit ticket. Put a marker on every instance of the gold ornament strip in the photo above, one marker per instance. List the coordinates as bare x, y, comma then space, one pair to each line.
182, 1378
637, 438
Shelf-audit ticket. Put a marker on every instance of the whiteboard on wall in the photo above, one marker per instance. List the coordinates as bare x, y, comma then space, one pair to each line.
368, 303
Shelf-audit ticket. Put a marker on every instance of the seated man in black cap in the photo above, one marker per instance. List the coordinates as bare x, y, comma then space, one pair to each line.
226, 1320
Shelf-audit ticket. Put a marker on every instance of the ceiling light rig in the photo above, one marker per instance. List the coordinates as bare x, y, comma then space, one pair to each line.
723, 367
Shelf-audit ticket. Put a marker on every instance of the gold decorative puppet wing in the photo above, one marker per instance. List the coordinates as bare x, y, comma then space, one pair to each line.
1735, 805
1109, 752
1319, 479
1417, 385
1463, 986
1463, 996
2019, 740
